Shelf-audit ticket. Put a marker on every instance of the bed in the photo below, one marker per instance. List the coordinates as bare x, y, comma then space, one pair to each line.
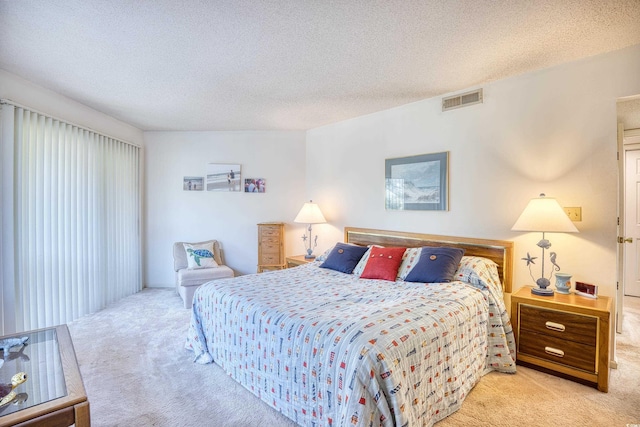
328, 348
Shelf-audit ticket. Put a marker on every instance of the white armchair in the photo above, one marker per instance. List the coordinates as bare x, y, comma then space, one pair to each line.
188, 279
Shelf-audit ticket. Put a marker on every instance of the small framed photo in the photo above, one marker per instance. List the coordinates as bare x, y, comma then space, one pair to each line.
586, 290
193, 183
255, 185
223, 177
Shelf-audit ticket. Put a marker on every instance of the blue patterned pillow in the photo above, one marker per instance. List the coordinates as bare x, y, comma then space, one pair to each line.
344, 257
436, 265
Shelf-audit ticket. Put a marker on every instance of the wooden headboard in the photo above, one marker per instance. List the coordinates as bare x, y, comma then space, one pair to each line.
499, 251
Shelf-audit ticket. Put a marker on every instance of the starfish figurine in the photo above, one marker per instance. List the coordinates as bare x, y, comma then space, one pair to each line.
529, 259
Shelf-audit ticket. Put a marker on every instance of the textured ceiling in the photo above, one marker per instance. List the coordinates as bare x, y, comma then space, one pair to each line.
284, 64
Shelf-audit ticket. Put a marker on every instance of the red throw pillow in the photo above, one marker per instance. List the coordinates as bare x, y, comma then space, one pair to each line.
383, 263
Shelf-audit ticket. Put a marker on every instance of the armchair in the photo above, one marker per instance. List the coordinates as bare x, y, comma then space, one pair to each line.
188, 279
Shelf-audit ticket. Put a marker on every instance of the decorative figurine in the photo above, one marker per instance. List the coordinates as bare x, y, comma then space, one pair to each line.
7, 343
7, 393
542, 282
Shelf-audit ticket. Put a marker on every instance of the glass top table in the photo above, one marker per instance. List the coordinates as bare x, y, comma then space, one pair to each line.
53, 390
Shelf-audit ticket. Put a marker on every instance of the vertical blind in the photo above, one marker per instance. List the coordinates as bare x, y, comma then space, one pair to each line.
77, 220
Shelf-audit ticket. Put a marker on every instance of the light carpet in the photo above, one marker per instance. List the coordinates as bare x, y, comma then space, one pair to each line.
137, 373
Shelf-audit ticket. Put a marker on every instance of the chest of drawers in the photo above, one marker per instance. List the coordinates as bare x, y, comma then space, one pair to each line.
271, 246
565, 335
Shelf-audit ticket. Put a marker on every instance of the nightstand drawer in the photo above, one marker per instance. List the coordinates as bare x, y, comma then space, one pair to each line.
558, 350
294, 261
563, 325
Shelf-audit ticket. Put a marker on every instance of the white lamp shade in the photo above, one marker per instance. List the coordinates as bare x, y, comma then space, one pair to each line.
544, 214
310, 214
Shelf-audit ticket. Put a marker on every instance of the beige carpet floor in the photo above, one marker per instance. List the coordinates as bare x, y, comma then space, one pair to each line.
137, 373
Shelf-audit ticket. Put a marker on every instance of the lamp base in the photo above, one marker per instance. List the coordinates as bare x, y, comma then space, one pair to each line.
542, 291
309, 257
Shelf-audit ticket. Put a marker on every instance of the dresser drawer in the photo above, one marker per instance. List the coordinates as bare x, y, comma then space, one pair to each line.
557, 350
270, 259
268, 231
270, 245
558, 324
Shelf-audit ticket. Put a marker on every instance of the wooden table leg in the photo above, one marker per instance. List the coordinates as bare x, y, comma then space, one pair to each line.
83, 418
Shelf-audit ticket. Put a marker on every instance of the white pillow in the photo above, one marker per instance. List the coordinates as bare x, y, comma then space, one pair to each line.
409, 260
200, 256
359, 268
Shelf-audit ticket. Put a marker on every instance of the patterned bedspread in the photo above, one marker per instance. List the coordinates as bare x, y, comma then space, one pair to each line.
328, 348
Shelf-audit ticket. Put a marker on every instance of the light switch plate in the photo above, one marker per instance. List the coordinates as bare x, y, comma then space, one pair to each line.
574, 213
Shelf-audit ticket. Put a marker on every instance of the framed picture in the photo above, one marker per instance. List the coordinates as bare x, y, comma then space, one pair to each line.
193, 183
223, 177
255, 185
417, 182
586, 290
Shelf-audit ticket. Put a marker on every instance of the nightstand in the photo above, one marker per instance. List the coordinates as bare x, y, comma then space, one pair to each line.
563, 335
296, 260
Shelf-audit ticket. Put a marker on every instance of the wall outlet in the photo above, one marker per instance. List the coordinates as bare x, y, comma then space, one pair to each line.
574, 214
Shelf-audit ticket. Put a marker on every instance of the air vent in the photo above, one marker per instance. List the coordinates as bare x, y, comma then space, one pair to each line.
462, 100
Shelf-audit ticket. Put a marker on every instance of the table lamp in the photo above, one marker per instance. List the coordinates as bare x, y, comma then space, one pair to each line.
310, 214
544, 214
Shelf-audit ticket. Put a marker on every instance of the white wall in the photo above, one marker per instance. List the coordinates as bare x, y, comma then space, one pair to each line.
173, 214
551, 131
46, 101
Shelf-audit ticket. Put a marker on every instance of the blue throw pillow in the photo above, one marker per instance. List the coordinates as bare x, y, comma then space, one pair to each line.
344, 257
436, 265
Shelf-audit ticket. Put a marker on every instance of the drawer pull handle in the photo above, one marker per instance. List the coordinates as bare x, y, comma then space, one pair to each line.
554, 351
555, 326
